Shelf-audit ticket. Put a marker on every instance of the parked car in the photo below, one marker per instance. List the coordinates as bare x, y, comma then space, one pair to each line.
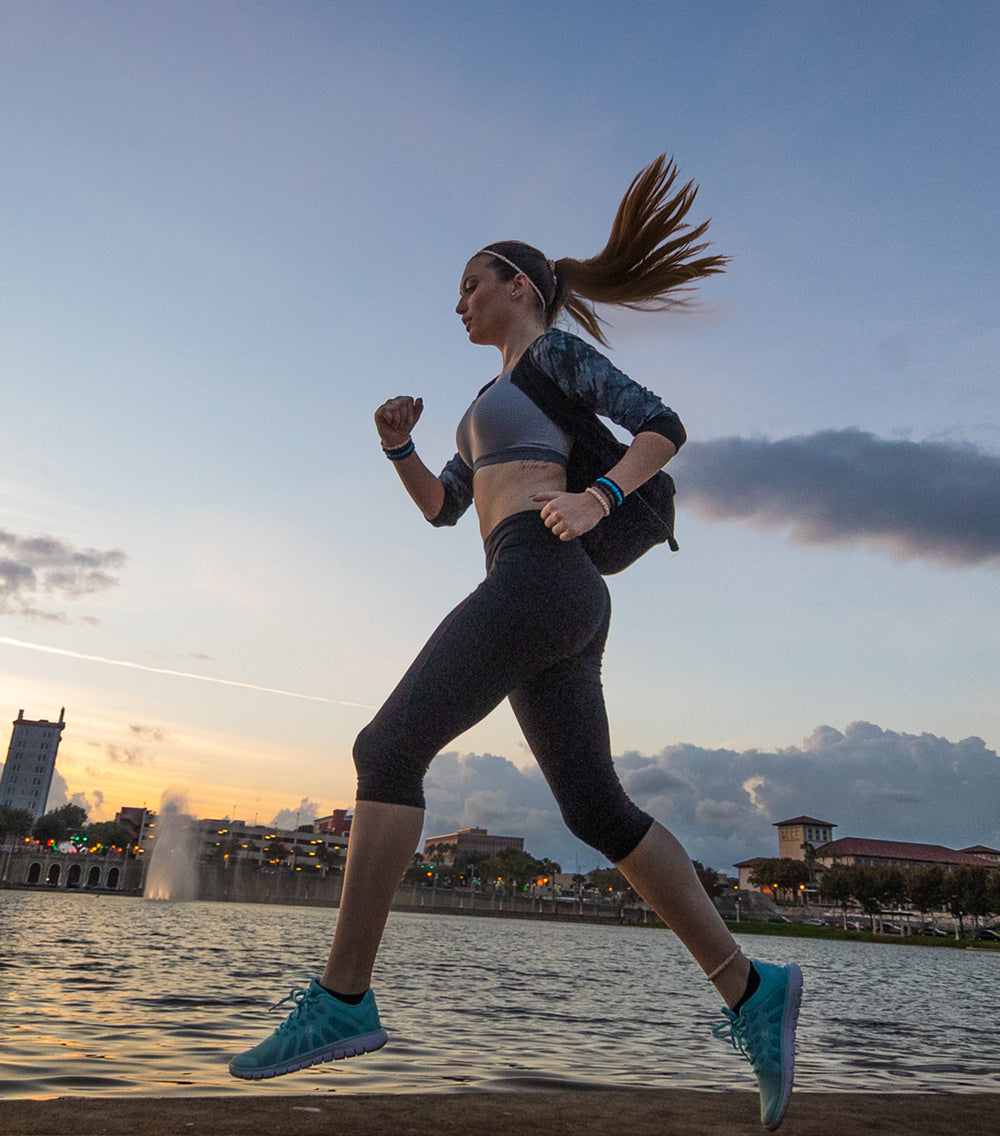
986, 933
814, 923
936, 932
850, 926
891, 929
779, 919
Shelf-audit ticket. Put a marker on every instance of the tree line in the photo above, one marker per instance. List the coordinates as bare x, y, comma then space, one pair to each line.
508, 869
513, 871
966, 892
68, 823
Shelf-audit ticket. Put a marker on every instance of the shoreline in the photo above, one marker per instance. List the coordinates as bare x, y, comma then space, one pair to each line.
649, 1112
609, 916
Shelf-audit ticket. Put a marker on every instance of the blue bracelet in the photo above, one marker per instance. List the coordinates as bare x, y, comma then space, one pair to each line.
616, 495
398, 453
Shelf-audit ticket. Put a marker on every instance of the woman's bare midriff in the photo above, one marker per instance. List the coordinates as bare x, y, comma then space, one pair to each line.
500, 491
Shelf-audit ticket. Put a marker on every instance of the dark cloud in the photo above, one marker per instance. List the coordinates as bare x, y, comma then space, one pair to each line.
934, 500
656, 782
722, 804
122, 756
149, 733
486, 791
35, 567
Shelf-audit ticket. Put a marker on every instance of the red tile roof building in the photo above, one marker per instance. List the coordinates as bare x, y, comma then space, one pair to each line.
893, 853
795, 834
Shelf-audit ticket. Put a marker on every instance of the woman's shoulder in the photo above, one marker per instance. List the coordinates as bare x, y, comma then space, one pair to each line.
558, 351
590, 379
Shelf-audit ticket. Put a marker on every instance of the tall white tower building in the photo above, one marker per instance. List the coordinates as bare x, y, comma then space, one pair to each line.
31, 761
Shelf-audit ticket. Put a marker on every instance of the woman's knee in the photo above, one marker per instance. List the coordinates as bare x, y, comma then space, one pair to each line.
614, 831
385, 773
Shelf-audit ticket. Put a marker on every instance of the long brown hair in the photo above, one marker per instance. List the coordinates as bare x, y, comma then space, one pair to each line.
650, 261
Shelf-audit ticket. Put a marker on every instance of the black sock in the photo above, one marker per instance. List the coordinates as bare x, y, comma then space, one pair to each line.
753, 981
350, 999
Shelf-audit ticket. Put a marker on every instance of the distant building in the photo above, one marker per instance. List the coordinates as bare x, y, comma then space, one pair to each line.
136, 822
744, 869
471, 842
852, 851
232, 842
261, 846
795, 834
338, 822
31, 761
990, 854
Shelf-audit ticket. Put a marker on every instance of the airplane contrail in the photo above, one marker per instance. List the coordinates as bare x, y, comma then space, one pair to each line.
176, 674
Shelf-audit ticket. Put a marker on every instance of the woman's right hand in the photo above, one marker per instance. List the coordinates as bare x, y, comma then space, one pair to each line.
396, 418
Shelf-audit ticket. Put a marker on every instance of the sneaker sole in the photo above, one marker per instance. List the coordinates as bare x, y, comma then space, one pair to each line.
348, 1047
789, 1020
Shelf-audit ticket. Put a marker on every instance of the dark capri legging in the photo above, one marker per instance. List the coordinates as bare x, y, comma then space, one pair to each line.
534, 632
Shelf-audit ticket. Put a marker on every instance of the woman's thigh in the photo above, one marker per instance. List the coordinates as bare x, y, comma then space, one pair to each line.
519, 622
562, 714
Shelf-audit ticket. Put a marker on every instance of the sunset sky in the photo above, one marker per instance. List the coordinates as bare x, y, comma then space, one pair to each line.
231, 230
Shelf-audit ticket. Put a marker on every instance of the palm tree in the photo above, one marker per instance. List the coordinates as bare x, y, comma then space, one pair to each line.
809, 855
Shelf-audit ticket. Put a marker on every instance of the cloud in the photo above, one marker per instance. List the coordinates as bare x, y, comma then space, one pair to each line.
35, 567
149, 733
122, 756
133, 754
92, 800
305, 812
486, 791
935, 500
722, 804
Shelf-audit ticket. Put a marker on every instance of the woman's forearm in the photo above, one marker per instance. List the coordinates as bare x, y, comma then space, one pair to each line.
423, 486
395, 420
648, 453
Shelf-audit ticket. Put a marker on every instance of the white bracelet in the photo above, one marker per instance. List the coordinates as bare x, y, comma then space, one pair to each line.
600, 497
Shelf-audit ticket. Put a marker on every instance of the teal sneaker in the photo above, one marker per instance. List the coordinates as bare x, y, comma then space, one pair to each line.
320, 1028
764, 1032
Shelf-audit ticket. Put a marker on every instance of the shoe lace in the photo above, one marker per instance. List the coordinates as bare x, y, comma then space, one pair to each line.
729, 1030
298, 996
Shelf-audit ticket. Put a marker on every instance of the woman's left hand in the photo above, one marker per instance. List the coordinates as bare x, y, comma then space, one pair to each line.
569, 515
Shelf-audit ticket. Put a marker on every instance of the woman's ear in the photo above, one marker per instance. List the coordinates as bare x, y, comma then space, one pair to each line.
519, 285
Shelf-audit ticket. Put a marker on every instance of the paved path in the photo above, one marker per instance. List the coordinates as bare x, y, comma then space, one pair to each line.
649, 1112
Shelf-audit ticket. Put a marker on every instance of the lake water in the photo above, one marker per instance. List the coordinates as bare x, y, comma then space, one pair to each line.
112, 995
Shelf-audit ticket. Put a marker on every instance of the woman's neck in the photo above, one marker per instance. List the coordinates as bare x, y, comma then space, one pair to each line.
518, 340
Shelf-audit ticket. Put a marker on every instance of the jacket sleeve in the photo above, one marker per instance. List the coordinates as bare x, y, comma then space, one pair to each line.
583, 374
456, 477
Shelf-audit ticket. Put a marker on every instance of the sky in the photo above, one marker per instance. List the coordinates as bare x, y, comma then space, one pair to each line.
231, 230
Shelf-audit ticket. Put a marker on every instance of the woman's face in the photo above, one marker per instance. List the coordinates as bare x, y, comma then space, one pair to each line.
485, 303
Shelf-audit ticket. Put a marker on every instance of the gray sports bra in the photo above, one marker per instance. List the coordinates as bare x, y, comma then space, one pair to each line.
504, 425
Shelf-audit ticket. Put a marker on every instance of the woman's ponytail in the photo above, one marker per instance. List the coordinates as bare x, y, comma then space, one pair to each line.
651, 258
650, 261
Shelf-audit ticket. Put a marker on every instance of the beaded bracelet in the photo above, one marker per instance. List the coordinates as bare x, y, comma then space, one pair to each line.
596, 493
614, 492
722, 966
398, 453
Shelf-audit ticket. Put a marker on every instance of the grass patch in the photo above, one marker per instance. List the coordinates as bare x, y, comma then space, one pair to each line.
803, 931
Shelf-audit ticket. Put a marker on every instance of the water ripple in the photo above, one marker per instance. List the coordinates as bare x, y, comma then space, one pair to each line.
127, 996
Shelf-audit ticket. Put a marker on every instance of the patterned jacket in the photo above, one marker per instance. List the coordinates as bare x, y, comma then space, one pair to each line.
586, 377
